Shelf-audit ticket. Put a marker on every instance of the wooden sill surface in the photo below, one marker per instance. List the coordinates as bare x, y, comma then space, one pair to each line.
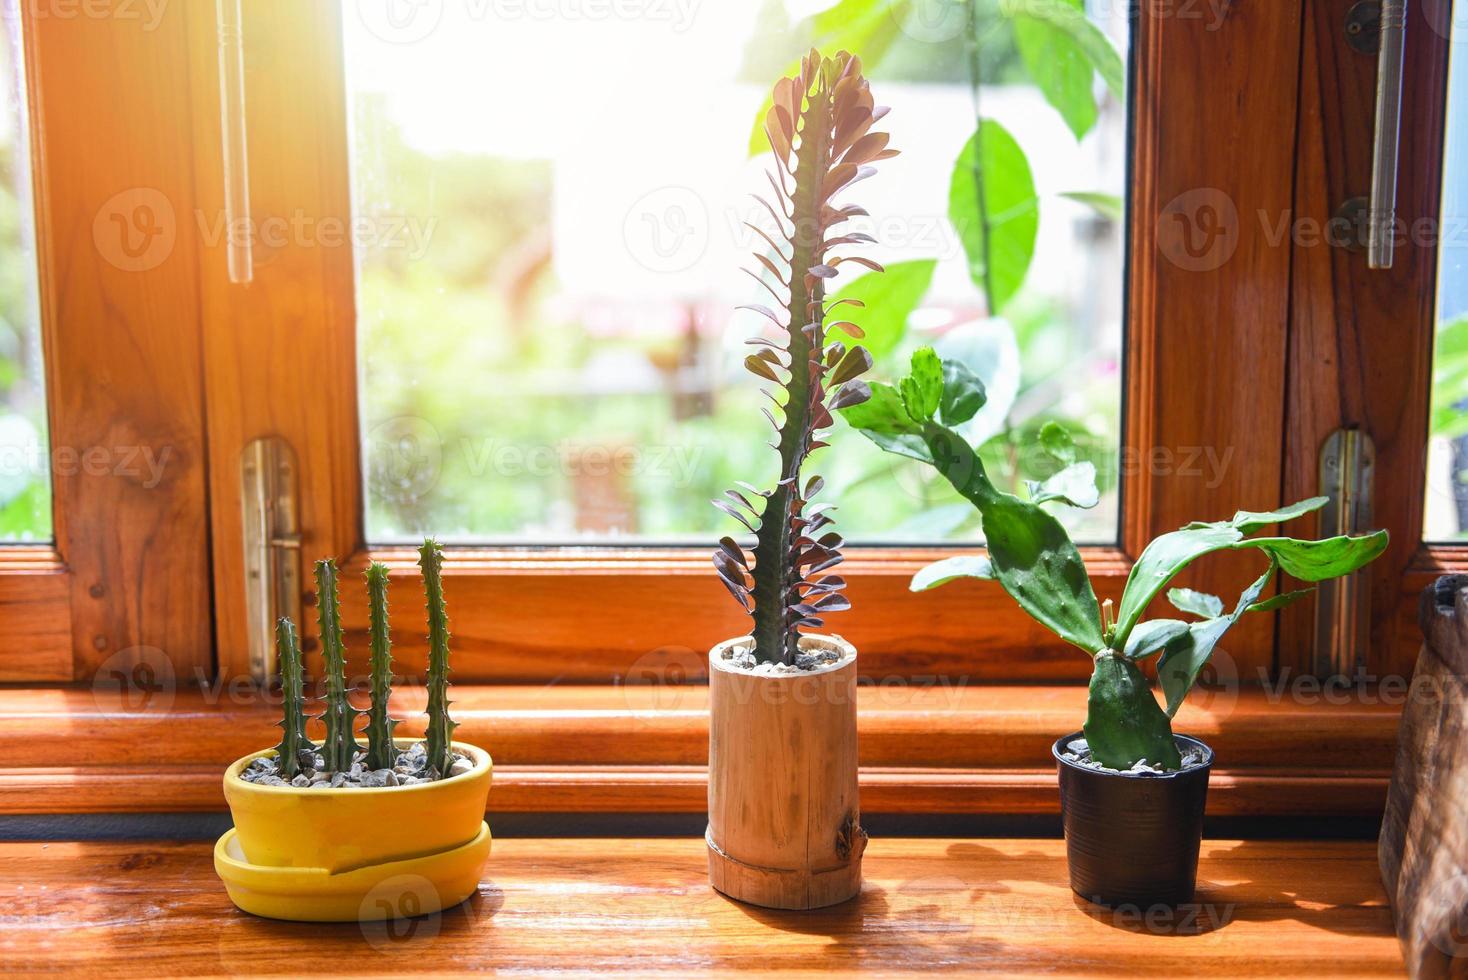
643, 748
597, 906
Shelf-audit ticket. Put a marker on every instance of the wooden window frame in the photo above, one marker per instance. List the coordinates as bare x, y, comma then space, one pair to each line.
598, 615
196, 363
126, 579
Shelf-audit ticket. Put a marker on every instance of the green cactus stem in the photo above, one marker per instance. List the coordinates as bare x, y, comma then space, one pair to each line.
381, 752
339, 715
292, 685
439, 740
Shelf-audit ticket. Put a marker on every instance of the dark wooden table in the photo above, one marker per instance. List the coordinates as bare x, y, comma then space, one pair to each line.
598, 906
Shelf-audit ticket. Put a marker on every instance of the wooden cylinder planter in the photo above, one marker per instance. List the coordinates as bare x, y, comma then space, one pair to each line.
784, 817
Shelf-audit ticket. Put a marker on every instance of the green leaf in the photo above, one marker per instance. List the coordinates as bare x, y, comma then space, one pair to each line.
999, 256
922, 389
1169, 553
1184, 658
1152, 636
1075, 485
963, 393
950, 569
1108, 206
1056, 441
1124, 725
1316, 561
865, 27
1199, 604
1071, 20
1280, 601
884, 420
1037, 564
888, 299
1060, 69
1252, 522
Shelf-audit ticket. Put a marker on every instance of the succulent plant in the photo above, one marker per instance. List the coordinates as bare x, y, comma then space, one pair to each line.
292, 688
382, 753
439, 741
340, 717
819, 127
1034, 560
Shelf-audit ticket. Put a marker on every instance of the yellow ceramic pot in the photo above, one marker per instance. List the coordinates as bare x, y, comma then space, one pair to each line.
395, 890
341, 830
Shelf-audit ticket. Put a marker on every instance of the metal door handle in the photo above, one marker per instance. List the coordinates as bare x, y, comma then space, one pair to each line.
1381, 212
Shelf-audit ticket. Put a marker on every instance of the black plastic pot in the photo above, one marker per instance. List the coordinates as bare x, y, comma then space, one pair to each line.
1132, 838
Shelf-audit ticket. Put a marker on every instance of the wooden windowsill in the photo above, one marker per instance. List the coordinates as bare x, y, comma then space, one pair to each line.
599, 906
643, 748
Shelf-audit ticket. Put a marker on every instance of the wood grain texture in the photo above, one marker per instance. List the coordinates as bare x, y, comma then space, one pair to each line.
643, 747
35, 606
1423, 848
1360, 349
1215, 100
511, 618
597, 906
783, 802
279, 354
119, 311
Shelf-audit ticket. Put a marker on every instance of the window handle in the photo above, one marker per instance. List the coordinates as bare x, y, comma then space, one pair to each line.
1381, 212
235, 149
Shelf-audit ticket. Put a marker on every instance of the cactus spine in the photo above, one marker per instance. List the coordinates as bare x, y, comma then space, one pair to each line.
382, 753
292, 684
440, 737
340, 716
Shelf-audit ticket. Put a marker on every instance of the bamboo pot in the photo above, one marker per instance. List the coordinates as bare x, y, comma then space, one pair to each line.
784, 817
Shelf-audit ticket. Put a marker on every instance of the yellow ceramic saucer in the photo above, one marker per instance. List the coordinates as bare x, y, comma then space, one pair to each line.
396, 889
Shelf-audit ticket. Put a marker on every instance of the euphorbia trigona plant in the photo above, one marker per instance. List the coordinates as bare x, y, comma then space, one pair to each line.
820, 127
1032, 557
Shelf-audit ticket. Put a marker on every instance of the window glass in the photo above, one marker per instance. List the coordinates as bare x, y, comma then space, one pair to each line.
1446, 512
25, 487
550, 201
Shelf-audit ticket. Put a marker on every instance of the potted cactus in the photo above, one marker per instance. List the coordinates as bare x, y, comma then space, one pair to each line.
784, 820
1132, 792
342, 830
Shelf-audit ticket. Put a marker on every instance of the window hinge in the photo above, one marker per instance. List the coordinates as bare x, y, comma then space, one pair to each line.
272, 535
1343, 609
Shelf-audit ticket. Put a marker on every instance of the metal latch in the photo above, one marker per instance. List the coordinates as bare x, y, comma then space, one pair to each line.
1343, 608
270, 496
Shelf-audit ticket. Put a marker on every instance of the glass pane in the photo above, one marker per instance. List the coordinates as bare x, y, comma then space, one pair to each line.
549, 227
1446, 512
25, 485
